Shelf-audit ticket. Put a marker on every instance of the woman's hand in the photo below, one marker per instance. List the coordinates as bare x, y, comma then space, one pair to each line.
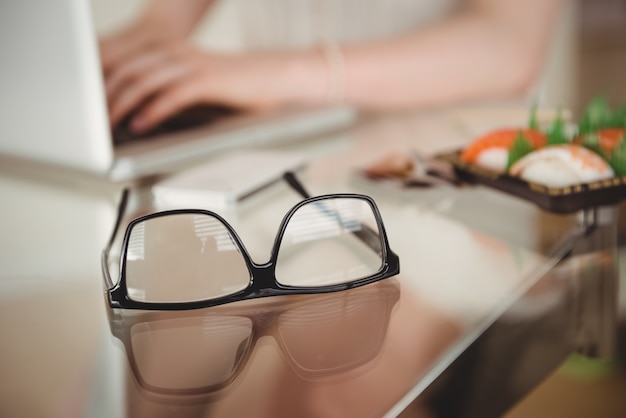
162, 22
118, 48
159, 83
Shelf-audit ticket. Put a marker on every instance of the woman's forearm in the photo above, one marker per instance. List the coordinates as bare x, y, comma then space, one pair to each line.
178, 17
490, 51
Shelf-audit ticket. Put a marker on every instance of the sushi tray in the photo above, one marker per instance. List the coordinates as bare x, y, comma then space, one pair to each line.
561, 200
561, 167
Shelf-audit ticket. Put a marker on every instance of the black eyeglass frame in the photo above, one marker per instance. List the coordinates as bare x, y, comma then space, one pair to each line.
263, 281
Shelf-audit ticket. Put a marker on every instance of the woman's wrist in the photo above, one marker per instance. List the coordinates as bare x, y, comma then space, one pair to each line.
314, 77
302, 78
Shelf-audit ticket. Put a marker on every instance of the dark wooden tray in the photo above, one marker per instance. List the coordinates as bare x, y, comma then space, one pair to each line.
553, 199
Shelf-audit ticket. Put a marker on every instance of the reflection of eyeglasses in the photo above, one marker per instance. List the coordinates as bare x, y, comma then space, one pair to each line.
191, 258
202, 351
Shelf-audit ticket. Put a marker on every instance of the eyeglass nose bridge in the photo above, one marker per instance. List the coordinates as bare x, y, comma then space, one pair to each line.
263, 276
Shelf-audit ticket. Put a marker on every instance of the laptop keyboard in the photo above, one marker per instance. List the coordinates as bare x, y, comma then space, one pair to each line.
190, 118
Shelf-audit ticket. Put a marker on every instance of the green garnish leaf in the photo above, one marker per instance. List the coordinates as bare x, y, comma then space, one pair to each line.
617, 159
533, 123
598, 115
521, 146
556, 132
619, 118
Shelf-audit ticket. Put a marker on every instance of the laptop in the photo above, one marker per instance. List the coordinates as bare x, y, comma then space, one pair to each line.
53, 105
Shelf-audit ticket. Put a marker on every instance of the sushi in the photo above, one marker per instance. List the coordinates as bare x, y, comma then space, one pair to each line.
491, 150
561, 166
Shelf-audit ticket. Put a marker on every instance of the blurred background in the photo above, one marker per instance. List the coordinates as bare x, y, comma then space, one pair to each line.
593, 46
602, 46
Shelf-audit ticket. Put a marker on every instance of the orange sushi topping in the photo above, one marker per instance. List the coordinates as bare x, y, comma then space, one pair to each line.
502, 138
609, 138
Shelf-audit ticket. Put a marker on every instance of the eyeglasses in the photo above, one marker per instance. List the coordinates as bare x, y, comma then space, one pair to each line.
193, 258
200, 352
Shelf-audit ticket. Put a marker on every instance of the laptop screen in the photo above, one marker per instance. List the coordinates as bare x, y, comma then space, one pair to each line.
53, 103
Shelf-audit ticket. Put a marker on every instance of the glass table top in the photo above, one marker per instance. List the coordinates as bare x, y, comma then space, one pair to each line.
469, 257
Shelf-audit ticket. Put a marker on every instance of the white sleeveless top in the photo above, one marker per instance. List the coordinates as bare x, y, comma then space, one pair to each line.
271, 24
299, 23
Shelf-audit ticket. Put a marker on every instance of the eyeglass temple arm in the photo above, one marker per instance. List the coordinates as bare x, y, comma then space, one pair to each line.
121, 209
365, 234
295, 184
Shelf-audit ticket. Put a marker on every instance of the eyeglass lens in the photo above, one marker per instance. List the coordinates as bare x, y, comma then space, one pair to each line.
183, 258
323, 244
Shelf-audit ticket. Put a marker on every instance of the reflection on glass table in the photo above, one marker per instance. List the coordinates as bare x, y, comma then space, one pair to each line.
179, 356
